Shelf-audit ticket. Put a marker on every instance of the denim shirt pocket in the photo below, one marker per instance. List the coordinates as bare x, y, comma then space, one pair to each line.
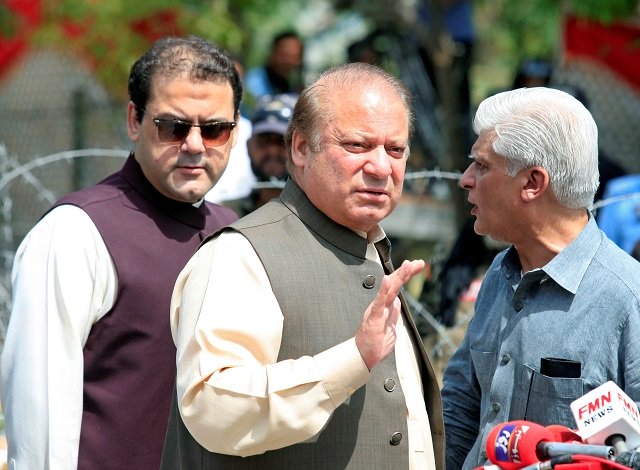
484, 365
544, 400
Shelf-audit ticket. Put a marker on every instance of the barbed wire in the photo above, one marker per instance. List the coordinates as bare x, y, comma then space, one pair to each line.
66, 155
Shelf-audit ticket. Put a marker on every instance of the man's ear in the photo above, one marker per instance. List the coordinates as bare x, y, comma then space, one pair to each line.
536, 183
299, 149
133, 126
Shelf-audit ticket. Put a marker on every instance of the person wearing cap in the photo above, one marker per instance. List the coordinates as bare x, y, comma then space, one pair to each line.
267, 151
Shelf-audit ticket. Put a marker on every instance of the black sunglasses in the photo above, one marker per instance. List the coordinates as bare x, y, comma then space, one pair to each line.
175, 131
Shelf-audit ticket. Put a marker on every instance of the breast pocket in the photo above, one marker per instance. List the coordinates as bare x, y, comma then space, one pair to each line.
484, 365
544, 400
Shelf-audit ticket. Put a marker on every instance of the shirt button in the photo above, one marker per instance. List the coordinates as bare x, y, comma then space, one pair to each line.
396, 437
483, 456
389, 385
519, 306
369, 282
496, 407
505, 359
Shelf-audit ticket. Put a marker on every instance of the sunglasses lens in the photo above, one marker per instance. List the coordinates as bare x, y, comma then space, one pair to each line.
172, 131
216, 133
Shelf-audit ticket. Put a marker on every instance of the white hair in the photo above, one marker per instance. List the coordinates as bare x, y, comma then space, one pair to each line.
549, 128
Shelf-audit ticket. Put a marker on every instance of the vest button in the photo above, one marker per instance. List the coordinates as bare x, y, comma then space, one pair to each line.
396, 437
519, 306
369, 282
389, 385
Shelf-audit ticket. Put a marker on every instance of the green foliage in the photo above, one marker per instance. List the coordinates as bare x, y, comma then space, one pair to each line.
605, 11
103, 32
8, 22
510, 31
110, 35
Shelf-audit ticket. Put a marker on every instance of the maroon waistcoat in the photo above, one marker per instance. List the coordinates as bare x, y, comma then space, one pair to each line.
129, 357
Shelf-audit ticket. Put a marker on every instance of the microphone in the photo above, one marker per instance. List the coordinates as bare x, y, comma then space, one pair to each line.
563, 434
606, 415
629, 459
513, 444
518, 444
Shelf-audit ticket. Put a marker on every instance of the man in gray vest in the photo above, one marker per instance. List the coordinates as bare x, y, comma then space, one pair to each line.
88, 365
295, 349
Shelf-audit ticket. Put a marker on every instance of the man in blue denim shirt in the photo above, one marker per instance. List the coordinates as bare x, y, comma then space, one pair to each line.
563, 290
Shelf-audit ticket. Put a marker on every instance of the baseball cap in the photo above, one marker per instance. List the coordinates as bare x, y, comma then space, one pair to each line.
273, 113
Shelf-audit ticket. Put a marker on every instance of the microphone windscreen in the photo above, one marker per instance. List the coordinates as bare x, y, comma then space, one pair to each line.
513, 445
563, 434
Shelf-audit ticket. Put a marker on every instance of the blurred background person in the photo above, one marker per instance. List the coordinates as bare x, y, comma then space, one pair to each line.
238, 179
619, 218
267, 152
282, 72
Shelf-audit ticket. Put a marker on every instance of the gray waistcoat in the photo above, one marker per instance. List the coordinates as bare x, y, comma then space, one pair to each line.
323, 284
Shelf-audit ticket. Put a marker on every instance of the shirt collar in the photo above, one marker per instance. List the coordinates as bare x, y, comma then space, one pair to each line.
568, 267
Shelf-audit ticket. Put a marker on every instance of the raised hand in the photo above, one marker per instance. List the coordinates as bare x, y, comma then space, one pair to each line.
376, 336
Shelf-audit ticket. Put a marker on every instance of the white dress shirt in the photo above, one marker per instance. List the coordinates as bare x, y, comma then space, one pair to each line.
63, 282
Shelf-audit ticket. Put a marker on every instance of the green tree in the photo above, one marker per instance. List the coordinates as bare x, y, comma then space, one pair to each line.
111, 35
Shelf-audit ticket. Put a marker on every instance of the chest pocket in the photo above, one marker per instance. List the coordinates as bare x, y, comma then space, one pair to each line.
544, 400
484, 365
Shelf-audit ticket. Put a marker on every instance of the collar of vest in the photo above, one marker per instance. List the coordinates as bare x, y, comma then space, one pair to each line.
339, 235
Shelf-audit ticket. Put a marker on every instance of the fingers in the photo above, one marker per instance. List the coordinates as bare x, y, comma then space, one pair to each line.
401, 276
376, 336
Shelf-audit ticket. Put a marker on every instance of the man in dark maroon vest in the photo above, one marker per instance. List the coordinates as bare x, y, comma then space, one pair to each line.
88, 365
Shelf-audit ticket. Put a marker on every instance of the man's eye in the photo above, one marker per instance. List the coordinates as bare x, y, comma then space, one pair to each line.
355, 146
396, 152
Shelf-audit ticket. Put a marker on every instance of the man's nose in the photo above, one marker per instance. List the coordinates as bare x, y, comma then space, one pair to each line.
466, 180
378, 162
193, 143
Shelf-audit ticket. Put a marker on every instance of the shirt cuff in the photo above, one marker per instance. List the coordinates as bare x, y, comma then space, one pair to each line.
342, 370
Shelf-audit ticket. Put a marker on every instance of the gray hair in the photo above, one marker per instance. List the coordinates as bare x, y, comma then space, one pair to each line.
548, 128
314, 109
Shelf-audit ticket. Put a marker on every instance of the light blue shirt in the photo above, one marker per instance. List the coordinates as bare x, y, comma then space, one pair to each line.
584, 305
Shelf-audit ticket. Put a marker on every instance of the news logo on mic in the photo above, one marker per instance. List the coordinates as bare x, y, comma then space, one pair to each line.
513, 444
506, 447
607, 411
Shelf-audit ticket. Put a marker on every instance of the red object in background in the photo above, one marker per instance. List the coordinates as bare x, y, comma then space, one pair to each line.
160, 23
27, 16
616, 46
14, 43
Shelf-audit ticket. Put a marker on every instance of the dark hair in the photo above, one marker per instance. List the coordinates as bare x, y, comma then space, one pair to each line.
190, 56
289, 34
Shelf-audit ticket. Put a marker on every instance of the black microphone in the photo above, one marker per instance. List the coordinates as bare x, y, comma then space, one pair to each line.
629, 459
